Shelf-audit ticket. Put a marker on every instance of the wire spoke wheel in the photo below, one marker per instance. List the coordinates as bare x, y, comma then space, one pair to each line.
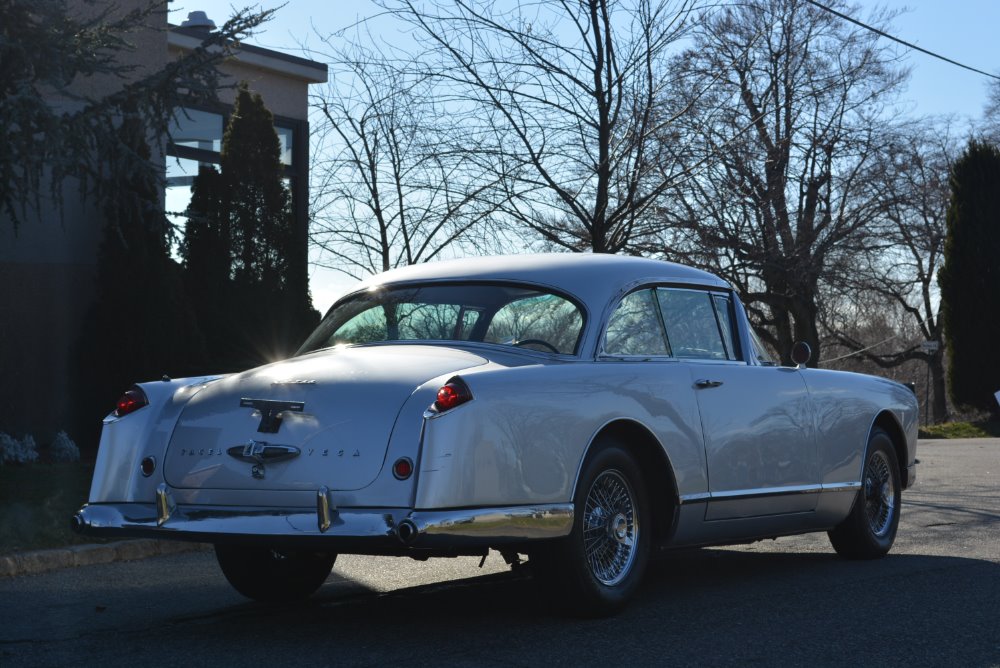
880, 496
610, 528
869, 531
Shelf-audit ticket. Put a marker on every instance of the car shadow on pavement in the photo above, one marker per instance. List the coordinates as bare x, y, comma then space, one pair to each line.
704, 607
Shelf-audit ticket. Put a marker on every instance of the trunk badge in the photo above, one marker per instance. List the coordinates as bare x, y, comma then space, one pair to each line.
271, 412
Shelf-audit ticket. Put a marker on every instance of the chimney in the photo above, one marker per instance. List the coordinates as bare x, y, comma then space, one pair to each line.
199, 21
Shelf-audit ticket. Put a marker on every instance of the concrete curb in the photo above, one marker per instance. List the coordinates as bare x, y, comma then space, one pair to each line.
41, 561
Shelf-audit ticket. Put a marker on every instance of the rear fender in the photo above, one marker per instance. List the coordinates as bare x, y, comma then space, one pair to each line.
127, 440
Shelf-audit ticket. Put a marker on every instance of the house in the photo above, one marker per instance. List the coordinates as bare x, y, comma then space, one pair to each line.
48, 265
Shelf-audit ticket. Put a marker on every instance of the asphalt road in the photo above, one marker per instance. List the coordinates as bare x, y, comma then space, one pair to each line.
934, 601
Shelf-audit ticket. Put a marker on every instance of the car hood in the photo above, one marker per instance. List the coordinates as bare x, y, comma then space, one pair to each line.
323, 419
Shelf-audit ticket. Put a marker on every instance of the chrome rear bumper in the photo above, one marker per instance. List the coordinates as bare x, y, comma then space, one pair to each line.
360, 530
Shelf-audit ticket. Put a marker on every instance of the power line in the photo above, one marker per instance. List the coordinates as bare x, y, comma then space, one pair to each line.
900, 41
858, 352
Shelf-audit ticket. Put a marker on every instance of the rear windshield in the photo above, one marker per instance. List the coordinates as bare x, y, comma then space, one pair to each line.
503, 314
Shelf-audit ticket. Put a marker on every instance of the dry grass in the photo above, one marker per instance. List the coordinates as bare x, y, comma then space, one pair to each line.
961, 430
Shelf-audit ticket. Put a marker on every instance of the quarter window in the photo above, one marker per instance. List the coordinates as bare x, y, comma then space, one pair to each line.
635, 327
760, 351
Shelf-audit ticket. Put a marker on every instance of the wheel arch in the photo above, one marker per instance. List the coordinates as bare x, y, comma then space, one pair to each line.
654, 463
890, 425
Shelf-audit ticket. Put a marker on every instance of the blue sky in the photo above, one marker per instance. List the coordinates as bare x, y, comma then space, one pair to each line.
963, 30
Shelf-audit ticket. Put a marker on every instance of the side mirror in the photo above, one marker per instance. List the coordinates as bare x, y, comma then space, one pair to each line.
801, 352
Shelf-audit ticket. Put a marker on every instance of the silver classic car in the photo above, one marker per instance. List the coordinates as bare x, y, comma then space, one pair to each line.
581, 410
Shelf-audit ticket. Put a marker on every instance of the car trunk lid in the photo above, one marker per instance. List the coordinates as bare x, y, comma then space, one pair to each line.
319, 420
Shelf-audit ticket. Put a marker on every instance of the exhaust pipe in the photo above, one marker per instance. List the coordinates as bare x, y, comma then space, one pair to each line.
76, 523
407, 532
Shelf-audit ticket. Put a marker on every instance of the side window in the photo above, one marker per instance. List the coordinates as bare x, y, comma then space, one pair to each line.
723, 313
635, 327
692, 326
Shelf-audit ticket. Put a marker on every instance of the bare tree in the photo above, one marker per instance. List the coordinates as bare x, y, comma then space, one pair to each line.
785, 153
897, 279
566, 93
989, 126
390, 187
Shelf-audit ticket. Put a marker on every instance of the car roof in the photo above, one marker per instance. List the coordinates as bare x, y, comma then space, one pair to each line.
595, 280
592, 277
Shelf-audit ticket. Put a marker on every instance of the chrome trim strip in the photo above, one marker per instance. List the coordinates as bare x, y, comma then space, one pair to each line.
736, 494
842, 486
460, 527
440, 528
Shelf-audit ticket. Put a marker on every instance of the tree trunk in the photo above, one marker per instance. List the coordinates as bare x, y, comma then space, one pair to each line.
938, 389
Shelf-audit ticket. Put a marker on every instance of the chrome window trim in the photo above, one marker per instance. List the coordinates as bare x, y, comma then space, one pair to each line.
655, 284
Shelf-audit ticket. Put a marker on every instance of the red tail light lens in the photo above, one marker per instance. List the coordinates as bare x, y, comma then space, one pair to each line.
130, 402
403, 468
454, 393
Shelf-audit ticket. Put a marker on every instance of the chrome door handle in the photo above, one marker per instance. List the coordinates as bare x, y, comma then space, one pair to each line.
704, 382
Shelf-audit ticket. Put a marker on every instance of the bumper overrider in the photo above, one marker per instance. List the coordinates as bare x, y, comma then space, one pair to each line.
362, 530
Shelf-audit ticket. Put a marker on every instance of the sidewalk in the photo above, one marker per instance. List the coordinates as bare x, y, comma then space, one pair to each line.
41, 561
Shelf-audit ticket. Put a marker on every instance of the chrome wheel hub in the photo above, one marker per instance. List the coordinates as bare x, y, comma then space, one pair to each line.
610, 528
619, 527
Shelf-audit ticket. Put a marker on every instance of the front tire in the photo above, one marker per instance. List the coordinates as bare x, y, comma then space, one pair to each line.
272, 575
598, 567
870, 530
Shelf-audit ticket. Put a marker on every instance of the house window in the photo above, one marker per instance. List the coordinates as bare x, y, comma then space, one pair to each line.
197, 129
196, 140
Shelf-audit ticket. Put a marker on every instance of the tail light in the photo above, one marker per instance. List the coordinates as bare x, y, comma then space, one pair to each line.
131, 401
403, 468
453, 393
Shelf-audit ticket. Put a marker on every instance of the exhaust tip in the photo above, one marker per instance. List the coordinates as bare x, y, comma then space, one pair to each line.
76, 523
407, 532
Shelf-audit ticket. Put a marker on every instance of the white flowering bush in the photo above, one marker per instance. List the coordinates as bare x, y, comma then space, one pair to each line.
14, 451
63, 449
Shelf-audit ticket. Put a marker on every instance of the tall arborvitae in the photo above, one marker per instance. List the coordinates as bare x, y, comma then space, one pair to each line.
970, 278
241, 224
206, 251
140, 327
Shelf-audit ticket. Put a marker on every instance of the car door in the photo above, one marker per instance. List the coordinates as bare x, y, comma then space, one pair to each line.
758, 429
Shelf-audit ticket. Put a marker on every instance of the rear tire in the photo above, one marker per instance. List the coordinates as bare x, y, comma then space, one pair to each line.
597, 568
870, 530
274, 575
